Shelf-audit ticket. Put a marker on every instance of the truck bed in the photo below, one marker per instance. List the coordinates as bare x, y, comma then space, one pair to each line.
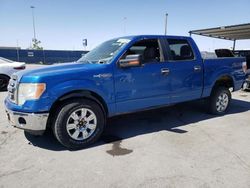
222, 66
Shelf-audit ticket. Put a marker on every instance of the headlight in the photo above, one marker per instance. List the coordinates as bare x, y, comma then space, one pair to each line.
30, 91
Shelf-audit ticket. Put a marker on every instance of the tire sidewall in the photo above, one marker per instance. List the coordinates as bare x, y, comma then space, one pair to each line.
65, 111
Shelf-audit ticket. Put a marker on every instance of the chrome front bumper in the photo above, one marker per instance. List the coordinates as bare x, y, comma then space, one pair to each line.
30, 122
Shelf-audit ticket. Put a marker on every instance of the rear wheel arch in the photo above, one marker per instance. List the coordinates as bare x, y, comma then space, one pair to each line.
223, 81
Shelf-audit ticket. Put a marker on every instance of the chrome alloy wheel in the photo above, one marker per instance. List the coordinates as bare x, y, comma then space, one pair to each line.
222, 102
81, 124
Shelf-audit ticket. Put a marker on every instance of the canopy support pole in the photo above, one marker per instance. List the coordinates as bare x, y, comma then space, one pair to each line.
234, 44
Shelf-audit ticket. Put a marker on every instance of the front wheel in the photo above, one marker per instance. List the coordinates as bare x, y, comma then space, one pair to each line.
79, 123
219, 101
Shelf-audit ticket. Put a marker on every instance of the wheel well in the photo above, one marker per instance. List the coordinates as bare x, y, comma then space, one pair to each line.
225, 81
5, 75
77, 94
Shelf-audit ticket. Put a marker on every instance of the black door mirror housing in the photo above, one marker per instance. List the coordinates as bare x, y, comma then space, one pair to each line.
131, 61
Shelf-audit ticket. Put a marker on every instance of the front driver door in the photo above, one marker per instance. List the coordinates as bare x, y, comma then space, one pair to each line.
146, 86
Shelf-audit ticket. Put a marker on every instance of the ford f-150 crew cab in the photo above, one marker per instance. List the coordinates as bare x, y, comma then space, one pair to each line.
122, 75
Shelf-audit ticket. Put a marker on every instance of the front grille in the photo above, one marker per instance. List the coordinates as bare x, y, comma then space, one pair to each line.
12, 88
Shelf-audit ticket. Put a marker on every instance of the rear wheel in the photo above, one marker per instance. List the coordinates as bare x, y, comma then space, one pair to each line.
219, 101
4, 81
79, 123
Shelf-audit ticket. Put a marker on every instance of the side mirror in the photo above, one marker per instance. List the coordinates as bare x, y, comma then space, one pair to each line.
130, 61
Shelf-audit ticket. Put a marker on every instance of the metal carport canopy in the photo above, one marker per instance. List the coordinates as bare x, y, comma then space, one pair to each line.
233, 32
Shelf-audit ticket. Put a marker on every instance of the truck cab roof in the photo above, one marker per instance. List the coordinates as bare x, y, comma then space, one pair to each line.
133, 37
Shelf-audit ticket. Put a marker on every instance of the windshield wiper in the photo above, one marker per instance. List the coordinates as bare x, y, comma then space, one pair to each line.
81, 61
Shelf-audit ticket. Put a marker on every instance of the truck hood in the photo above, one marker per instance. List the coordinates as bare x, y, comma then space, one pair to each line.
65, 70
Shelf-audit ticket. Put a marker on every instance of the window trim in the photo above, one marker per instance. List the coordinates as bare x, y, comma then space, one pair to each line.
169, 51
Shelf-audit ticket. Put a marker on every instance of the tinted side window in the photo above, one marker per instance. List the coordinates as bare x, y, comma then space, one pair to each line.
148, 48
180, 50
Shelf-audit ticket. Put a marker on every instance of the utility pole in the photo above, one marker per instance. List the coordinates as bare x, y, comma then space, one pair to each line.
166, 23
234, 44
33, 17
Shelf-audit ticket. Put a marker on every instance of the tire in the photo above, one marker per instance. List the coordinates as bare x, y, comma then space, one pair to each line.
4, 81
70, 121
219, 101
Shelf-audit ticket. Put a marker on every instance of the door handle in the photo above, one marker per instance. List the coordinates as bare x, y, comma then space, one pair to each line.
165, 71
197, 68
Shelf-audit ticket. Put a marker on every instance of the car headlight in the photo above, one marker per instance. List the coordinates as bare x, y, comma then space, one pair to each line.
30, 91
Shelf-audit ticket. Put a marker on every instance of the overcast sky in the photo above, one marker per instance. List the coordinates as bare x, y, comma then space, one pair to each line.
63, 24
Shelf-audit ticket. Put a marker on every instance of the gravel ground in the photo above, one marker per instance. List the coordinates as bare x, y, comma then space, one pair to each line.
178, 146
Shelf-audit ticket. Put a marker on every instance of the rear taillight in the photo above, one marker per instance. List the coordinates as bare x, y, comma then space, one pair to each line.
244, 67
19, 68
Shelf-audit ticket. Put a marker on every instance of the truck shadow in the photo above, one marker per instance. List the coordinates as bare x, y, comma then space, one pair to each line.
171, 118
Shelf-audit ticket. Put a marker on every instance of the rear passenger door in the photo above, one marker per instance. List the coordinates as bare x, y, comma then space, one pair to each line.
186, 72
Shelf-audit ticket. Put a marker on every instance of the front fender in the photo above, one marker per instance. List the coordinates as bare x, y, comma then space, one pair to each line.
61, 89
55, 91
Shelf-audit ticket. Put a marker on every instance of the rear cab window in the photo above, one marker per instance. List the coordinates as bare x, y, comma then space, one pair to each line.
180, 50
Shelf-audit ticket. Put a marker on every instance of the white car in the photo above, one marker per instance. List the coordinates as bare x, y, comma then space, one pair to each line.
7, 68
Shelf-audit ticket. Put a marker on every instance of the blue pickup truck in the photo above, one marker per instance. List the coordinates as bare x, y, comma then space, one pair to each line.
122, 75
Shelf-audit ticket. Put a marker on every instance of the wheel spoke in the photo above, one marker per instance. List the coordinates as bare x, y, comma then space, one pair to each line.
222, 107
91, 126
85, 134
91, 117
224, 96
76, 134
74, 116
83, 113
71, 126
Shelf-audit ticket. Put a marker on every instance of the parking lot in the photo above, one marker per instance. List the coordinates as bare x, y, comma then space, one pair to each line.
178, 146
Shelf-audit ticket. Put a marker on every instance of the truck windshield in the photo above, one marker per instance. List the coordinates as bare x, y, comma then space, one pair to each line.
104, 52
